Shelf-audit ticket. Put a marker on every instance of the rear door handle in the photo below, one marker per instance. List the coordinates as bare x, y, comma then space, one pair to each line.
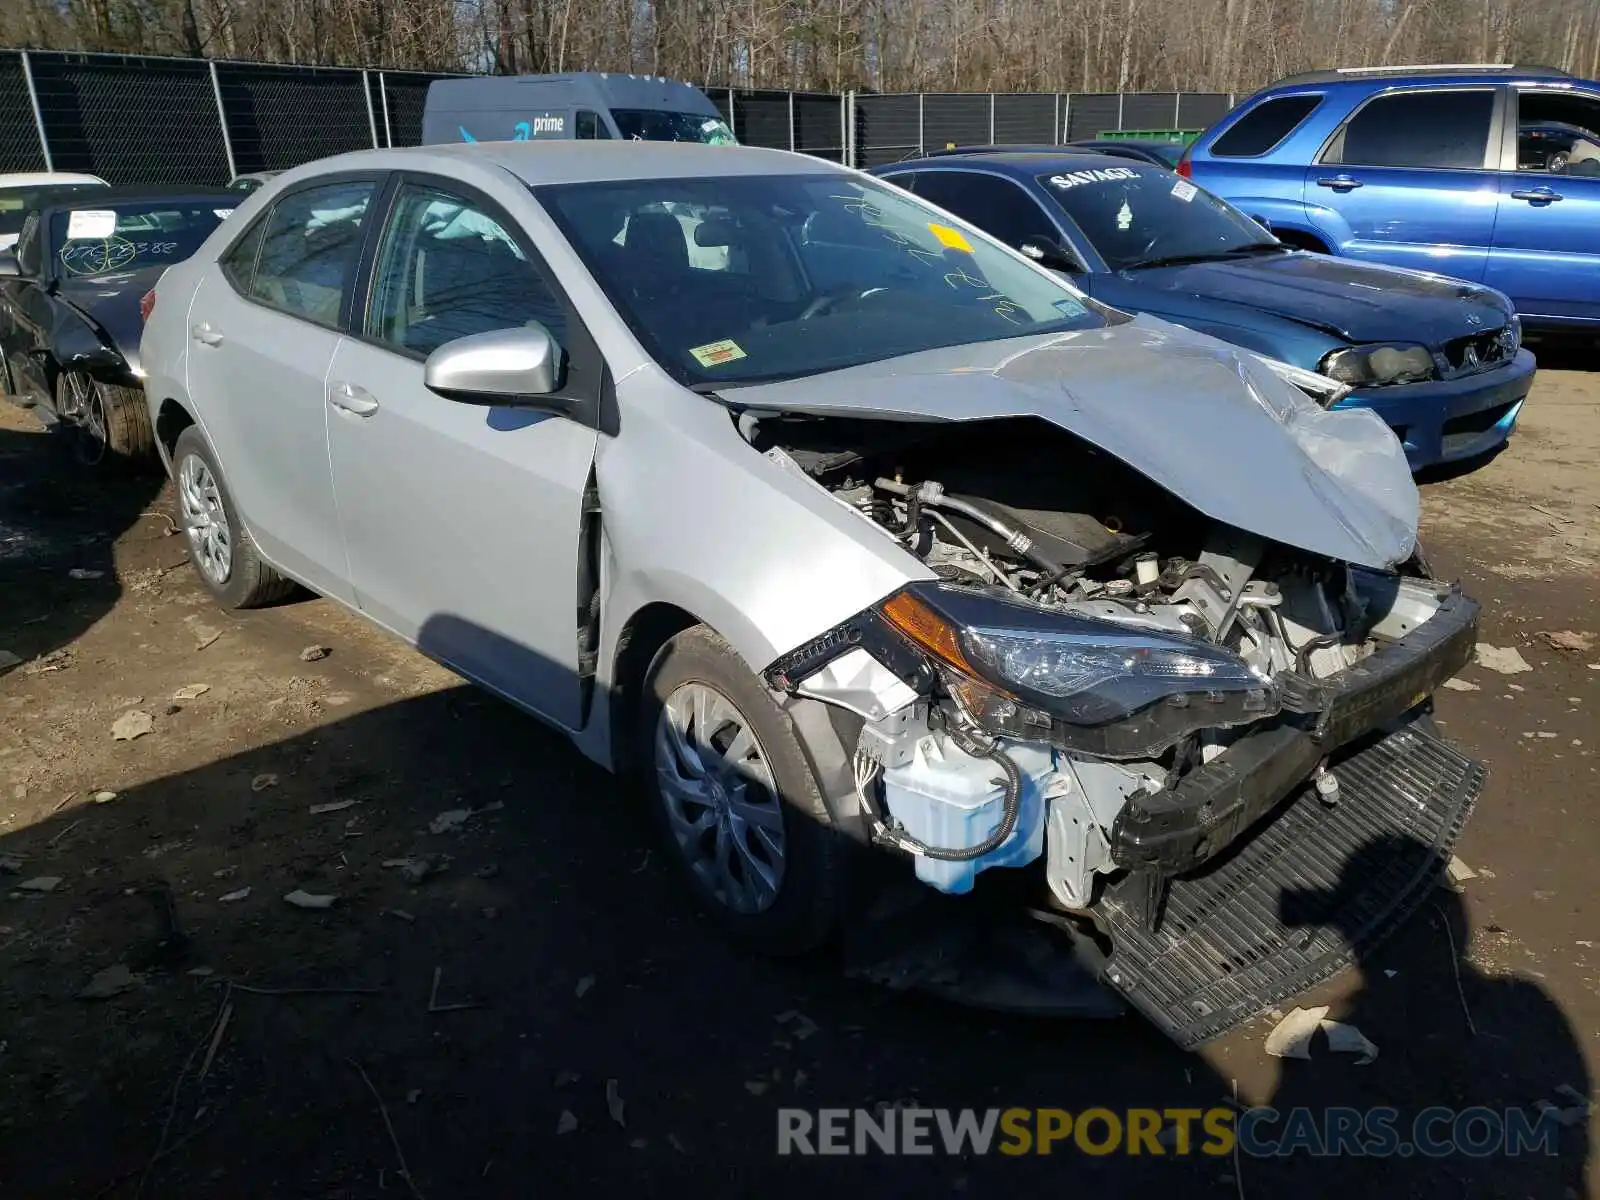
1340, 183
352, 399
206, 335
1537, 196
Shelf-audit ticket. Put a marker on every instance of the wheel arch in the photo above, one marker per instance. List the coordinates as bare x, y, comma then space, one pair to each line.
172, 418
640, 639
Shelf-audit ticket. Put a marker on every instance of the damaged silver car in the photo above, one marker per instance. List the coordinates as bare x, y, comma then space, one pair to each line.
841, 526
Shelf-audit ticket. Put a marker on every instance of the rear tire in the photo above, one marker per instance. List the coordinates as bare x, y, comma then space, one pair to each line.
735, 799
220, 547
110, 424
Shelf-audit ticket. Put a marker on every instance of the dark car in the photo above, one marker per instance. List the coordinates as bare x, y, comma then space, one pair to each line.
1161, 153
1438, 359
69, 306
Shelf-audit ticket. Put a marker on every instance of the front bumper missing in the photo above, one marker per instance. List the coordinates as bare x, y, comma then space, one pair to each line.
1315, 889
1180, 828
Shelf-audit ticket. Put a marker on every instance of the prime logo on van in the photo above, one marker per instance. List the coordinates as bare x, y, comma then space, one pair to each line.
548, 125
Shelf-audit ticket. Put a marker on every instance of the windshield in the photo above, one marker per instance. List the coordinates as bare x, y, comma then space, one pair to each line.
1142, 216
746, 279
126, 237
15, 202
655, 125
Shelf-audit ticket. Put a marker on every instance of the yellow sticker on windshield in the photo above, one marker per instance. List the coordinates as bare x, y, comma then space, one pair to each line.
714, 354
950, 237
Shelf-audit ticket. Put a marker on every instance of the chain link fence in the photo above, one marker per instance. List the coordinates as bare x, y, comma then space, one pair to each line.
182, 120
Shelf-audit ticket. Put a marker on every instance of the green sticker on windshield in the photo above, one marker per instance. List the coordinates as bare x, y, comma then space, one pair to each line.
714, 354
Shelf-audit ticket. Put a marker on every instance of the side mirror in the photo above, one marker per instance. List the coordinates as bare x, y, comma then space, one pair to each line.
9, 267
1048, 252
1263, 222
517, 367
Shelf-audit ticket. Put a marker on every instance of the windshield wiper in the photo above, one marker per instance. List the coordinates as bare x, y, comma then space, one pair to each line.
1179, 260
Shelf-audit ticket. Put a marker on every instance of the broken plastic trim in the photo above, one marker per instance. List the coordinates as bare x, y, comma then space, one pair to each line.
1178, 828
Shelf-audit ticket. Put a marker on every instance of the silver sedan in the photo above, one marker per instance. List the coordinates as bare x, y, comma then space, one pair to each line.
837, 524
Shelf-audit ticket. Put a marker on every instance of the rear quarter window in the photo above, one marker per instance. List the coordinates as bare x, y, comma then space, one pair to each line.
1264, 127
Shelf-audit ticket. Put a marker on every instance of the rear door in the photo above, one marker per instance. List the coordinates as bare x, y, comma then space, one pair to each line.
263, 326
1546, 253
1410, 179
463, 522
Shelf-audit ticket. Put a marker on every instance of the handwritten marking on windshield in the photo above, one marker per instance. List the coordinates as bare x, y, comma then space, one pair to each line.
872, 216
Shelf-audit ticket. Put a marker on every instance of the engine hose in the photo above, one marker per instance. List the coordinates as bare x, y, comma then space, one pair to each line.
1302, 656
1011, 807
936, 497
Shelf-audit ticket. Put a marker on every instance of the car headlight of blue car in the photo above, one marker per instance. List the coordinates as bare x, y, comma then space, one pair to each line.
1365, 366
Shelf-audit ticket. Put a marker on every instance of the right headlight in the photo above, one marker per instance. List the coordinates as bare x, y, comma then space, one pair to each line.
1364, 365
1083, 671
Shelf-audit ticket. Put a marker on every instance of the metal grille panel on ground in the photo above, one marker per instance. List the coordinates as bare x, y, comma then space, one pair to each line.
181, 120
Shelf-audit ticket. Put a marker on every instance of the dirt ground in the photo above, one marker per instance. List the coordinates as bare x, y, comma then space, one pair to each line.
546, 1015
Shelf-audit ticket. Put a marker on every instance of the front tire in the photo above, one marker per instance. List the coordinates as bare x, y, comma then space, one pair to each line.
735, 799
110, 423
220, 547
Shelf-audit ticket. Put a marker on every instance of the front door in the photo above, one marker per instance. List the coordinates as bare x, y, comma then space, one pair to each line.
462, 522
1546, 253
263, 326
1409, 181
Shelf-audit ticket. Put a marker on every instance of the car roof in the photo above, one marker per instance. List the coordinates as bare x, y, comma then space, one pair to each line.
558, 161
1021, 163
1435, 73
38, 179
128, 193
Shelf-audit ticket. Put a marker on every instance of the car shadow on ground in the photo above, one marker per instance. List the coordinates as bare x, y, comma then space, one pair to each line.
539, 1002
59, 522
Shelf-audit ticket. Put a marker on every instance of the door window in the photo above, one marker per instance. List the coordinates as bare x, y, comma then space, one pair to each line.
239, 263
446, 270
309, 250
1558, 133
1264, 126
1442, 130
996, 206
591, 125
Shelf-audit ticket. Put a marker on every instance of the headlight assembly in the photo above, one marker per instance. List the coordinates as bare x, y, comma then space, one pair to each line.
1362, 366
1083, 671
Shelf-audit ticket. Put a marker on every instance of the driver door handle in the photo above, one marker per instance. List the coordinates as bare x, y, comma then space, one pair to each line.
352, 399
1542, 195
1340, 183
206, 335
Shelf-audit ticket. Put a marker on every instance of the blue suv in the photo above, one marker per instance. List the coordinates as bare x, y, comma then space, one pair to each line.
1486, 173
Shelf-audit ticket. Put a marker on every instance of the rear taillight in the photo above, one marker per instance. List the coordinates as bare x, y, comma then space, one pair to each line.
147, 304
1185, 167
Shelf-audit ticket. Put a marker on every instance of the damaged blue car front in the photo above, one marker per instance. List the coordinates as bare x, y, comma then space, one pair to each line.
1440, 360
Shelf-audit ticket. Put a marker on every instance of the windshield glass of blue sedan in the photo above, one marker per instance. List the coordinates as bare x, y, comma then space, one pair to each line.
755, 278
1140, 216
99, 240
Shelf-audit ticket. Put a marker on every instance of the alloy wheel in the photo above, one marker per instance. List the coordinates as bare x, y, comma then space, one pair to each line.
205, 520
720, 797
85, 407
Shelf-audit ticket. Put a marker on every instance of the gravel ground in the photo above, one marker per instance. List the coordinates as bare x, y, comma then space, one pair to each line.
544, 1012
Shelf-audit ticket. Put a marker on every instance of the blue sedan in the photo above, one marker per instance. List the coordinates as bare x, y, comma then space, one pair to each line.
1439, 360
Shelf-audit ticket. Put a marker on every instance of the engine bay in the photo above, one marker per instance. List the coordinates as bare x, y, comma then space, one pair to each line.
1022, 513
1024, 507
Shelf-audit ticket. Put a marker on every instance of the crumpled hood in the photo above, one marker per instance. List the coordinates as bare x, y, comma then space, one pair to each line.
1211, 424
1360, 303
